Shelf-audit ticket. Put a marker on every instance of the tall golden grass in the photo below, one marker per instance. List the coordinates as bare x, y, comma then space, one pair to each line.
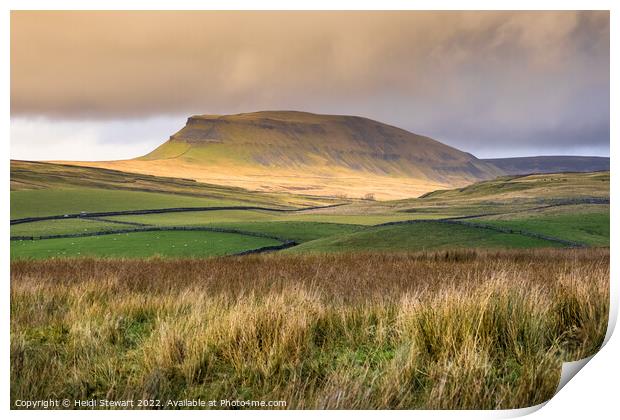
438, 330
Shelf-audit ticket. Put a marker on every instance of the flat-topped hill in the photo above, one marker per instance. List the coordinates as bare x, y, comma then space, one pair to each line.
309, 153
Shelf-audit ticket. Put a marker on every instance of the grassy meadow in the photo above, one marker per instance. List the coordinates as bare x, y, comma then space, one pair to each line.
445, 330
34, 203
420, 237
464, 298
584, 223
62, 227
143, 244
42, 189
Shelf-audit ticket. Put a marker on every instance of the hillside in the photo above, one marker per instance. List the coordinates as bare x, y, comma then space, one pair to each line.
500, 195
594, 185
310, 154
550, 164
42, 189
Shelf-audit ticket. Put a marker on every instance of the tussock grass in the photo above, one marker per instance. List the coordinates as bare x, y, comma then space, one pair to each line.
429, 330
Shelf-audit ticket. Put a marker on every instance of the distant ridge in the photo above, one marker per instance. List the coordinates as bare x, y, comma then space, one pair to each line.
550, 164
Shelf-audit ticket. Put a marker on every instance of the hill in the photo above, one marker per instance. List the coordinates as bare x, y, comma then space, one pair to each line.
499, 195
539, 187
43, 189
308, 153
550, 164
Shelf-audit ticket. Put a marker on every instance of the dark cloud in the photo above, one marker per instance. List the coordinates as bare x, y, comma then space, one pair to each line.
477, 80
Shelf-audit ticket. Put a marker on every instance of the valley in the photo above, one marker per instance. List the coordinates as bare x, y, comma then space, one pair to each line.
71, 218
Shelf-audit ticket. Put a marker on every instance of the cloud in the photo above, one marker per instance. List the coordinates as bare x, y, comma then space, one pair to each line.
453, 75
41, 138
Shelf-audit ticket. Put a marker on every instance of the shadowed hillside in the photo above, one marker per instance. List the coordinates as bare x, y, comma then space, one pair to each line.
309, 153
550, 164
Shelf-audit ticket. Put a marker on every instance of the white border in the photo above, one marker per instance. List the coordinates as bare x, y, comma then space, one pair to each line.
592, 393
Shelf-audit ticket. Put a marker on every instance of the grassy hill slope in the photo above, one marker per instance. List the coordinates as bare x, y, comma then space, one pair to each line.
419, 237
43, 189
538, 187
141, 245
310, 153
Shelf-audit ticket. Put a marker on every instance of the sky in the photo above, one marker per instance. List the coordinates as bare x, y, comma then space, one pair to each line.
96, 85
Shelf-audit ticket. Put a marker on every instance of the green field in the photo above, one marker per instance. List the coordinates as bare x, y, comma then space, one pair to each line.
420, 237
233, 216
35, 203
296, 231
249, 221
359, 219
198, 218
141, 245
41, 189
591, 227
560, 185
553, 205
63, 226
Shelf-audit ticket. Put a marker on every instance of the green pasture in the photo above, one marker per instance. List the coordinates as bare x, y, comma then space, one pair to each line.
515, 202
141, 245
591, 228
338, 216
63, 226
50, 202
420, 237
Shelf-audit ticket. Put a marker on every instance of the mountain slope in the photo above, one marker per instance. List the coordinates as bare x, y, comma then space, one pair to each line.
309, 153
550, 164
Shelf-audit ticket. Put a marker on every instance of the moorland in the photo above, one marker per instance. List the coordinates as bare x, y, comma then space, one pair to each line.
390, 271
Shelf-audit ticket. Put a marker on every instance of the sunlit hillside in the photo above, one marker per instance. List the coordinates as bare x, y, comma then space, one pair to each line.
309, 153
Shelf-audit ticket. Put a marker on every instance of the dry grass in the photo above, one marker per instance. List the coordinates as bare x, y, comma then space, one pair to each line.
444, 330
